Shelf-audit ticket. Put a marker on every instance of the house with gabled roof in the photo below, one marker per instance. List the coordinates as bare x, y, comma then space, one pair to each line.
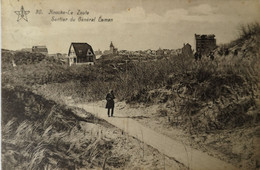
81, 53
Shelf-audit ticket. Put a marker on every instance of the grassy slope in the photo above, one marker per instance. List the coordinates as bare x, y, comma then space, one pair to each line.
41, 134
207, 94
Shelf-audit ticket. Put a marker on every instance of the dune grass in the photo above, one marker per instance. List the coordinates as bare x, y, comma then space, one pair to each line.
234, 76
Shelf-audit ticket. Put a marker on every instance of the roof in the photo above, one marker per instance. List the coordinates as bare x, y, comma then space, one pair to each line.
39, 49
81, 49
111, 44
205, 36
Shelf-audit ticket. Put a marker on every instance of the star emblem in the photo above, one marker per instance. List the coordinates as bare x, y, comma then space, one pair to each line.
22, 14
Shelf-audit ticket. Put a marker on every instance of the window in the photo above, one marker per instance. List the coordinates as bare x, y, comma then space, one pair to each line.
72, 51
89, 52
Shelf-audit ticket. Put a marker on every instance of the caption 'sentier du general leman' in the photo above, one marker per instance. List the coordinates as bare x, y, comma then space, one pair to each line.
80, 19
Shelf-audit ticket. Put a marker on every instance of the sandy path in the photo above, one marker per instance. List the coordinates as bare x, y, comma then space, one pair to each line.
191, 158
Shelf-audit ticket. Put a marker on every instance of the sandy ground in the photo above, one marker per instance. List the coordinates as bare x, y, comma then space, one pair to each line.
126, 152
239, 147
181, 152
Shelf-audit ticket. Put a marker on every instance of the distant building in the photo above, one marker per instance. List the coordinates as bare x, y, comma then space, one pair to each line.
137, 53
106, 52
27, 49
81, 53
159, 52
205, 43
173, 52
113, 50
149, 51
153, 52
59, 55
186, 50
166, 51
178, 51
123, 52
98, 52
40, 49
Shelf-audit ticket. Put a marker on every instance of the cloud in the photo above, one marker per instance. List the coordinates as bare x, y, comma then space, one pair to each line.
134, 28
133, 15
203, 9
200, 13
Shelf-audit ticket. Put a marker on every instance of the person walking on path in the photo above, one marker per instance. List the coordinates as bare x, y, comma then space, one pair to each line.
110, 103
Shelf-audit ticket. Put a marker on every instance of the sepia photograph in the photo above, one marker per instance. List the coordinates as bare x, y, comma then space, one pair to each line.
130, 84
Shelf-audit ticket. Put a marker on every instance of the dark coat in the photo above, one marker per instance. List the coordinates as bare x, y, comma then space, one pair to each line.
110, 100
196, 56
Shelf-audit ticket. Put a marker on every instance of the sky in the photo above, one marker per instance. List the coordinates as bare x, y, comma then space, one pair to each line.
136, 25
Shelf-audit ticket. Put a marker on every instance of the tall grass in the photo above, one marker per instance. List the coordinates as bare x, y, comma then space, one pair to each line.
52, 140
201, 82
248, 30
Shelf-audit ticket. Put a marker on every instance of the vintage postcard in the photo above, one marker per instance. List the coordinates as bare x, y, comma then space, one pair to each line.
130, 84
